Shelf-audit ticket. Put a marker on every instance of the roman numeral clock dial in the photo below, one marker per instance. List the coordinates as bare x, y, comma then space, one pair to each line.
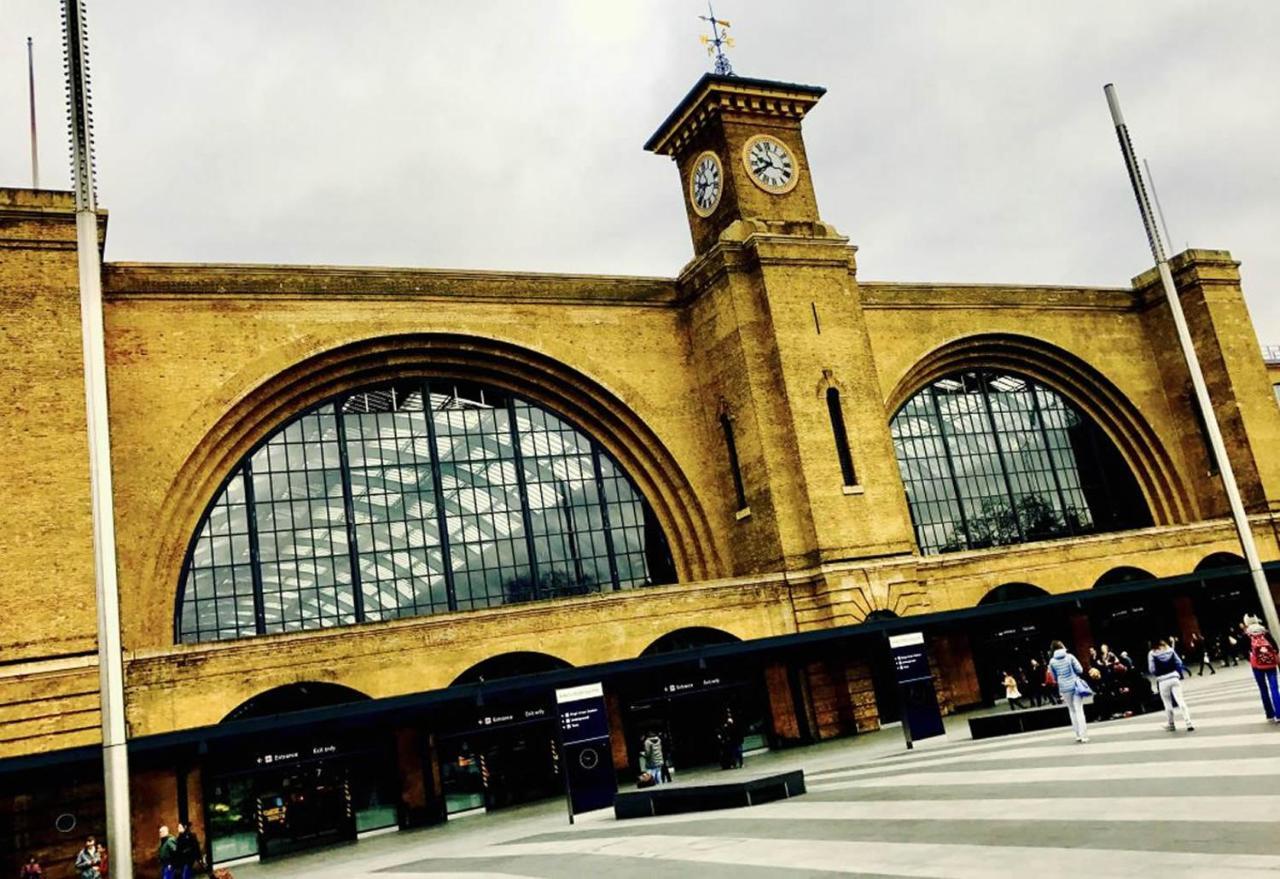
706, 183
770, 164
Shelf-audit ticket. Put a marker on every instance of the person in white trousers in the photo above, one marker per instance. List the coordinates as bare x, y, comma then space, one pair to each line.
1066, 670
1166, 667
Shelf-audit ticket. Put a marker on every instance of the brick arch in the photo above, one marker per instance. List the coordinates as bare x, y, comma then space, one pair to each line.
1083, 385
582, 401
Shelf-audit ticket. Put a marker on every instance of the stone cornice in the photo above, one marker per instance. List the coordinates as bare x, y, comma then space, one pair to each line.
281, 282
884, 295
714, 95
748, 244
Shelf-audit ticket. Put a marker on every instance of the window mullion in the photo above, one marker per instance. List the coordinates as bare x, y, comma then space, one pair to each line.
1004, 469
255, 556
951, 465
604, 517
1048, 452
525, 515
349, 507
437, 486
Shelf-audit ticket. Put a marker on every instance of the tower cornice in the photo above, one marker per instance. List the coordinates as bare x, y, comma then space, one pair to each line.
714, 94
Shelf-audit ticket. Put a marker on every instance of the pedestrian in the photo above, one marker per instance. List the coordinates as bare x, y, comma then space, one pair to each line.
651, 755
88, 859
668, 757
1035, 683
1051, 686
1011, 691
1165, 665
31, 870
167, 854
188, 855
1067, 673
1200, 650
1263, 659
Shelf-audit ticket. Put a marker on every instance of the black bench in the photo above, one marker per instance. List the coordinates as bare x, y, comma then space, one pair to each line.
673, 799
1007, 723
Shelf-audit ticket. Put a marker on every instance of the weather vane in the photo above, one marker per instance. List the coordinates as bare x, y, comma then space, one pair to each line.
717, 41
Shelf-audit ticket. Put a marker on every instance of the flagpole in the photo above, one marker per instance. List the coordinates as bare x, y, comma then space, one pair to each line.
115, 755
1205, 404
31, 100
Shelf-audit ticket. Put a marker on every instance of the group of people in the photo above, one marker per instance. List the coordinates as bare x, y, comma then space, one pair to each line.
1231, 646
655, 751
1118, 686
179, 856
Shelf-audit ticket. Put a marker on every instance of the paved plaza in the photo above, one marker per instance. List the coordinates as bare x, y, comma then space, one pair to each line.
1135, 801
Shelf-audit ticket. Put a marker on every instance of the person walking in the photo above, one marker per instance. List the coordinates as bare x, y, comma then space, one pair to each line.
1068, 674
1165, 665
87, 860
1200, 650
189, 856
651, 756
1263, 659
1011, 692
167, 854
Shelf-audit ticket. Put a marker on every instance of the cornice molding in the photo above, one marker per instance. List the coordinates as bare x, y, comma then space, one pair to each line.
283, 283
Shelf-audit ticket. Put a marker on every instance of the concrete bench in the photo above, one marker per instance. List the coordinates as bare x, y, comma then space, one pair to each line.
673, 799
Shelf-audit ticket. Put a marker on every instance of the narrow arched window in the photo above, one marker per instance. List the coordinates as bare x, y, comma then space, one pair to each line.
842, 438
731, 447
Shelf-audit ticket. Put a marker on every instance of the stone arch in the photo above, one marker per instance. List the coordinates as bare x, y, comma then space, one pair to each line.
510, 665
689, 638
1122, 574
1083, 385
582, 401
1218, 560
880, 614
295, 697
1011, 592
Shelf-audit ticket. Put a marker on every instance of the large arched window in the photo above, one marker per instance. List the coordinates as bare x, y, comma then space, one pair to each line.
993, 458
414, 498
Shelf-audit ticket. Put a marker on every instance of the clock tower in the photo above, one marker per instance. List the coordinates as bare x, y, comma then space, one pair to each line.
779, 337
738, 146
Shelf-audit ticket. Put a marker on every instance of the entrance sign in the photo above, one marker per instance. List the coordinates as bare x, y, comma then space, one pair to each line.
921, 718
587, 757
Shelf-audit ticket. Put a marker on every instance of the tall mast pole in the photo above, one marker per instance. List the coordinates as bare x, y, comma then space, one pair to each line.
1210, 418
31, 100
115, 755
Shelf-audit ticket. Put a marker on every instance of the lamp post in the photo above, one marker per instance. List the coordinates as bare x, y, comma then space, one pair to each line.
115, 755
1219, 449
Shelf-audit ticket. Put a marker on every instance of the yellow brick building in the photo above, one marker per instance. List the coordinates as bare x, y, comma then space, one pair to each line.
408, 502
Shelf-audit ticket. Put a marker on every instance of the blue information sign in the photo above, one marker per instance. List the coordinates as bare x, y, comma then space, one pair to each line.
920, 714
587, 758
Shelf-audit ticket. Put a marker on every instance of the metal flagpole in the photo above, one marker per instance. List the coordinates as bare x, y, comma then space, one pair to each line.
115, 755
31, 99
1238, 513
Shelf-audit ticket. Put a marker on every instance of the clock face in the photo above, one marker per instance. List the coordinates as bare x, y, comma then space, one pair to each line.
706, 183
770, 163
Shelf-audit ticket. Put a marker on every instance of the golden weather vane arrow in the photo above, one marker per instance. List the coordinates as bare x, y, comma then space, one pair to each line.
718, 40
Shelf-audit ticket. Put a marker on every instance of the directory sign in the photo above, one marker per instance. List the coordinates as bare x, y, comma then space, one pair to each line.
921, 716
587, 758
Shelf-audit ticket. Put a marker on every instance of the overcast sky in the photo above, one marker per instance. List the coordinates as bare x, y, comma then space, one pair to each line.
960, 141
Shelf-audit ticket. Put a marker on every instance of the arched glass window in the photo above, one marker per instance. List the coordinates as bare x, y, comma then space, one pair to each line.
408, 499
842, 438
992, 458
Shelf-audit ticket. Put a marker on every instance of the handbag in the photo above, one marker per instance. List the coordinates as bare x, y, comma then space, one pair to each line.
1082, 689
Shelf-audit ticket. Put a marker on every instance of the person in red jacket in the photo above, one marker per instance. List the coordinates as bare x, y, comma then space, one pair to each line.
1264, 657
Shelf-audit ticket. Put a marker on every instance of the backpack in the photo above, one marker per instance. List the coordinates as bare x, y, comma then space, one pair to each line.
1264, 654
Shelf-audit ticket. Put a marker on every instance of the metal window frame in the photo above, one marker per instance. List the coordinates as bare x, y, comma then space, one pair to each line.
244, 470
